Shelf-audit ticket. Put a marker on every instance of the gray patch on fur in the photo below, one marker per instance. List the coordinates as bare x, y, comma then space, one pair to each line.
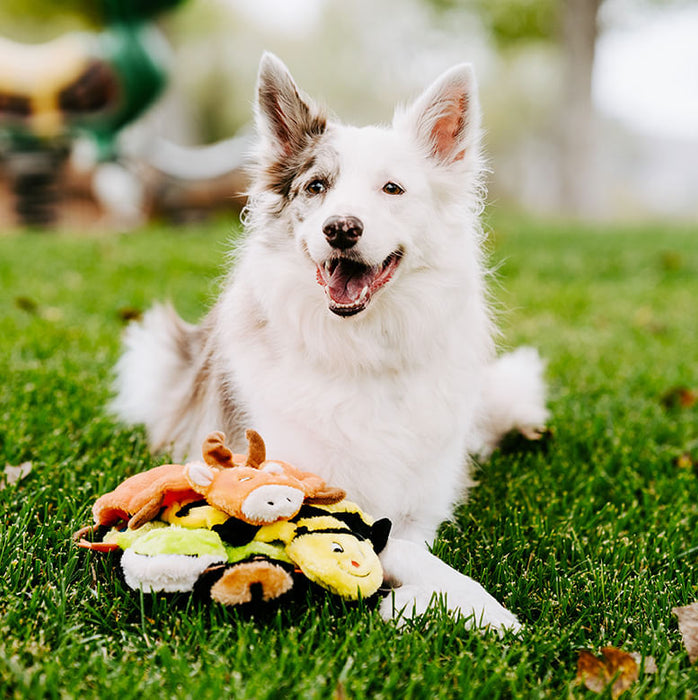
296, 124
321, 161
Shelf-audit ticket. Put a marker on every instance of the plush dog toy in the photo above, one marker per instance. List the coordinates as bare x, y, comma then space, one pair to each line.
238, 528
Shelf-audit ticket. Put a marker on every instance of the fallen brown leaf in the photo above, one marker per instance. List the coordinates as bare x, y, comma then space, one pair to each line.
684, 461
26, 304
11, 475
680, 397
129, 313
688, 626
616, 668
671, 261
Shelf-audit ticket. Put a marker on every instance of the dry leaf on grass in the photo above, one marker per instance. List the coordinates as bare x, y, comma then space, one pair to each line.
688, 626
12, 475
680, 397
26, 304
129, 313
616, 668
685, 461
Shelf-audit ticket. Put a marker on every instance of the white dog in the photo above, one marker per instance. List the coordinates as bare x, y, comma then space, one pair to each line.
354, 332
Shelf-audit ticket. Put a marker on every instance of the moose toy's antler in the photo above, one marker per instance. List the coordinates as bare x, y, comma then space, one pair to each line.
256, 452
215, 452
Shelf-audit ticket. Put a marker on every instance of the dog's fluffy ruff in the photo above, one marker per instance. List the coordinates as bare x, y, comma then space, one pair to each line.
386, 404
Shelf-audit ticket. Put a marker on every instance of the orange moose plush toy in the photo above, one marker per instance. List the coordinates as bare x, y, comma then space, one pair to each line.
247, 487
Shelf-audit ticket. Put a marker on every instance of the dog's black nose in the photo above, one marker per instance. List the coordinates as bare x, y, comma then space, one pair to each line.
342, 231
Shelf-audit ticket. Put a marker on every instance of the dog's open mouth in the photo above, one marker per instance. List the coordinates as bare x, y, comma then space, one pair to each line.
349, 284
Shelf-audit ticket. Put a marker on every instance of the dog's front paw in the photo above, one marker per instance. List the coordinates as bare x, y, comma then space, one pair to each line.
479, 608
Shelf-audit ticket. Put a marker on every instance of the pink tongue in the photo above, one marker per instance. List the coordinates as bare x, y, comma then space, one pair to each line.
348, 280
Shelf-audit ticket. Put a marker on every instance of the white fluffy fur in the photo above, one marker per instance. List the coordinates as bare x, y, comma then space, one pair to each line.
387, 403
171, 573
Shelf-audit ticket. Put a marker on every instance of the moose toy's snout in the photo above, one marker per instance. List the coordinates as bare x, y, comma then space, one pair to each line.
342, 232
272, 502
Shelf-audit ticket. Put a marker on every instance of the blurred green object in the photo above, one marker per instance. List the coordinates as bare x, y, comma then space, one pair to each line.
135, 10
81, 84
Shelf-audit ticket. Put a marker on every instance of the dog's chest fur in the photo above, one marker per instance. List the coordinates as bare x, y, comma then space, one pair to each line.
379, 405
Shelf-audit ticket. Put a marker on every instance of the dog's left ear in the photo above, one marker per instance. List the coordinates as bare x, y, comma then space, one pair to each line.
445, 118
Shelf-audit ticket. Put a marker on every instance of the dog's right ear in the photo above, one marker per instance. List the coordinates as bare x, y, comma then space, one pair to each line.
285, 120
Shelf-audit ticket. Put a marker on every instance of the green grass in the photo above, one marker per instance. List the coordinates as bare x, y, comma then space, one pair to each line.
590, 537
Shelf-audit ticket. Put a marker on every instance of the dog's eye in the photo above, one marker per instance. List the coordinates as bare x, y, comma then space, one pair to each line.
316, 187
392, 188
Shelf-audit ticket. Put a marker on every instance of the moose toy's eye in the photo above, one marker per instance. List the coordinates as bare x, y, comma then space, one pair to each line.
336, 547
316, 186
392, 188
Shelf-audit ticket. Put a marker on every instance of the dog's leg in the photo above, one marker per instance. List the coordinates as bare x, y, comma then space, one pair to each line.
420, 577
513, 398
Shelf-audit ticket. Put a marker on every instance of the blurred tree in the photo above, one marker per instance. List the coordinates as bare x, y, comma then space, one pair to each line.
512, 22
573, 25
579, 31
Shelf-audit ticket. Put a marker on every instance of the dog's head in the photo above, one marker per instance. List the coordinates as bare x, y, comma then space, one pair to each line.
360, 203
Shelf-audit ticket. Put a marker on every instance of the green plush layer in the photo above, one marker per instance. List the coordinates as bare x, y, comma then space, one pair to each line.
157, 537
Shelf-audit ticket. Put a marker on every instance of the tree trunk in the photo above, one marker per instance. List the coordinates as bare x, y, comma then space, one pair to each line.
577, 181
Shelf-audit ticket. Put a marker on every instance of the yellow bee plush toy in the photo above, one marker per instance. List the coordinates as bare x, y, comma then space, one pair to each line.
335, 546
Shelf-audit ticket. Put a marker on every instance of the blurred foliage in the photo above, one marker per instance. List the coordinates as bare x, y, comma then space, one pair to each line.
20, 11
42, 20
510, 22
35, 20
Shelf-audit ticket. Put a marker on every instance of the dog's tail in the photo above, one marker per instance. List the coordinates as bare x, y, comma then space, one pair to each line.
163, 382
513, 399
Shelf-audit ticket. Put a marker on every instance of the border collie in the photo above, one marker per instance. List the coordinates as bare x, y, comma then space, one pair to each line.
354, 331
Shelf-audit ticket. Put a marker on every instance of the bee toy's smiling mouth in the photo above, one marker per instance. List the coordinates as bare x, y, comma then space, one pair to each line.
349, 283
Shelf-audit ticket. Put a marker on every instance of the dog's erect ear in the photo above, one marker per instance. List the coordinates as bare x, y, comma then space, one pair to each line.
446, 117
285, 118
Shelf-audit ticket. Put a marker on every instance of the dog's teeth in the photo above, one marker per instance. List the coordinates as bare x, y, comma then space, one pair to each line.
363, 295
328, 266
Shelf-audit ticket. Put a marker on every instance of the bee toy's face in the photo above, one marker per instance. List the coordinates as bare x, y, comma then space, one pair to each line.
340, 562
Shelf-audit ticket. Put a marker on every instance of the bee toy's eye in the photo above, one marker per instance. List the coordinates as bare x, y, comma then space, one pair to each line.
316, 187
336, 547
392, 188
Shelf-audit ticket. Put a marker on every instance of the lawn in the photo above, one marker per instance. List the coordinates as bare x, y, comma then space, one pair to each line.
590, 536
